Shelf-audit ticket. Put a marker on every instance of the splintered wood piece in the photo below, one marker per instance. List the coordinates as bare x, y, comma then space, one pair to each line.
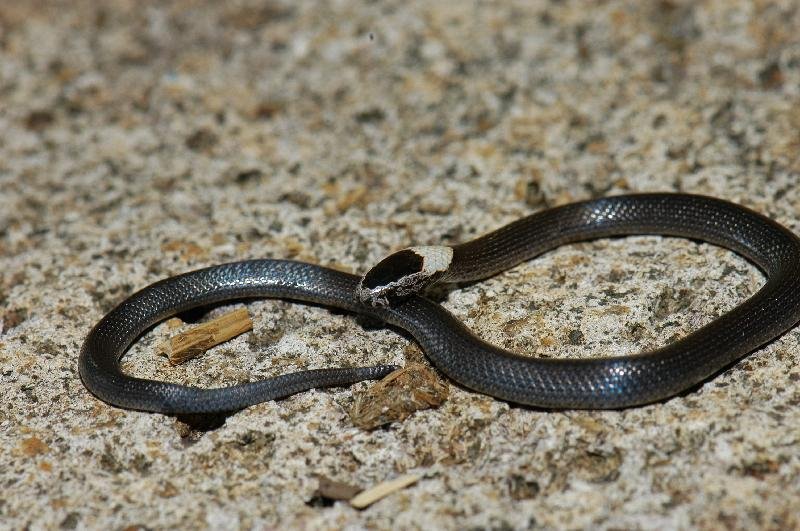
202, 337
381, 490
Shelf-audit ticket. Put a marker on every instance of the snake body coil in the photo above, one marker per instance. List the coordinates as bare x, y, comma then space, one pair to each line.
610, 382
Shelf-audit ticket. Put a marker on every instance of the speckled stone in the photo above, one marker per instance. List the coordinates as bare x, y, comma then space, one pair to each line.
143, 139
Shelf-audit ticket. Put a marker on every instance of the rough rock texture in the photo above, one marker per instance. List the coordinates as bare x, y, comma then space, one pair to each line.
142, 139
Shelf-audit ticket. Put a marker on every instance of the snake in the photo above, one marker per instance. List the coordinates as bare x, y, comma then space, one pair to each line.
392, 291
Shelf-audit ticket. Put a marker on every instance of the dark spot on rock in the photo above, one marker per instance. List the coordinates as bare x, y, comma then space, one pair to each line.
13, 317
264, 338
248, 176
616, 275
723, 116
637, 331
107, 299
759, 469
521, 488
30, 392
201, 140
671, 301
39, 120
598, 467
256, 441
611, 293
678, 152
254, 17
659, 121
109, 463
329, 491
675, 25
320, 501
557, 276
534, 195
141, 464
727, 270
300, 199
575, 337
266, 110
70, 521
453, 234
771, 76
101, 19
584, 49
370, 115
48, 347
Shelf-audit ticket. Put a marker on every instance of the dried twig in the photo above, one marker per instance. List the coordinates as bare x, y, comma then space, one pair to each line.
202, 337
381, 490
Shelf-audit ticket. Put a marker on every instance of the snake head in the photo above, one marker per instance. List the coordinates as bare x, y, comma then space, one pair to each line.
404, 273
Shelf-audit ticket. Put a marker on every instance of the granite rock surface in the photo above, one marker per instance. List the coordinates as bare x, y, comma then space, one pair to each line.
143, 139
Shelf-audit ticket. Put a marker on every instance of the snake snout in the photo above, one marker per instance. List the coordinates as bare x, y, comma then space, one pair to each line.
402, 274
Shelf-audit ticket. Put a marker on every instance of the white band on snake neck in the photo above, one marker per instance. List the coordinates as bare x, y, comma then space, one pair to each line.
435, 258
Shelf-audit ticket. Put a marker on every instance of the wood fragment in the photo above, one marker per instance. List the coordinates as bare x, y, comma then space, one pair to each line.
188, 344
174, 323
398, 395
381, 490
